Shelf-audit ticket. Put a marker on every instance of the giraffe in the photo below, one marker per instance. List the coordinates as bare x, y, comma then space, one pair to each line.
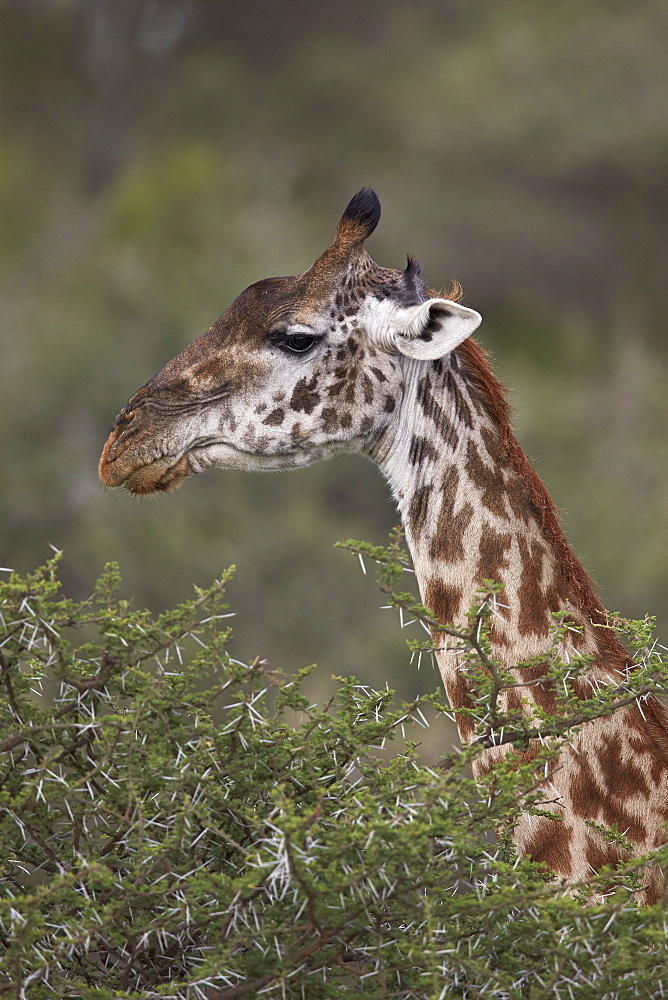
353, 357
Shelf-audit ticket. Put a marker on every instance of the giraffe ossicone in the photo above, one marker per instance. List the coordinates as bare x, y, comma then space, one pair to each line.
353, 357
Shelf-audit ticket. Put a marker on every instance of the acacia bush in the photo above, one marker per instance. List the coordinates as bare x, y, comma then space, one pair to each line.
175, 823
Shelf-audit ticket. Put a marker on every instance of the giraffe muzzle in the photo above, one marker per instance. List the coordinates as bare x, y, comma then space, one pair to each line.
123, 464
163, 475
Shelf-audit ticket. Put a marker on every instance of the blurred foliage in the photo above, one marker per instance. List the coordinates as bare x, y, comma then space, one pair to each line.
160, 155
177, 823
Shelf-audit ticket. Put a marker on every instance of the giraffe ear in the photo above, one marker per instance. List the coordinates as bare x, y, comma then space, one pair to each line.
433, 329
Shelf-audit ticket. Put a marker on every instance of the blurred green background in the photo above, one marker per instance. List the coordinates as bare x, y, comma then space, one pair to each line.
160, 155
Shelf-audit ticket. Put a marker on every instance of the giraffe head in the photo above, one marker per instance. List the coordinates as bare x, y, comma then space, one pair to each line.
297, 369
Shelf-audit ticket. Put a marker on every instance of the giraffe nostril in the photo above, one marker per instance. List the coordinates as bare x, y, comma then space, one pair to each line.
126, 425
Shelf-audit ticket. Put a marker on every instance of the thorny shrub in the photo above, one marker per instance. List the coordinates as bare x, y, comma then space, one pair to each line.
177, 824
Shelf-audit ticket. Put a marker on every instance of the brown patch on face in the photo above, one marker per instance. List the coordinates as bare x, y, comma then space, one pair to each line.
158, 477
418, 507
486, 481
345, 420
443, 600
551, 844
342, 385
421, 449
304, 396
298, 435
275, 418
367, 389
330, 419
448, 542
207, 370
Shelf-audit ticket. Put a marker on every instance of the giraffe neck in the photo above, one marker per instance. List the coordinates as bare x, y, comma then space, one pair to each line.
474, 510
472, 514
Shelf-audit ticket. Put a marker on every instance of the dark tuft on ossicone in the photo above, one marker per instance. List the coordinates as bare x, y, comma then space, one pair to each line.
413, 268
413, 286
412, 281
363, 209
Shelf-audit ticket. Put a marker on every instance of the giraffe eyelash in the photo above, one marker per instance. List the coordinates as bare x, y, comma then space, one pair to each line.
294, 341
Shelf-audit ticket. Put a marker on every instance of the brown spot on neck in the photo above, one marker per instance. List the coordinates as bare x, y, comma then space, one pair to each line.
444, 600
534, 610
493, 555
620, 775
448, 541
430, 406
459, 403
593, 799
542, 693
418, 508
551, 845
648, 734
421, 449
486, 480
458, 690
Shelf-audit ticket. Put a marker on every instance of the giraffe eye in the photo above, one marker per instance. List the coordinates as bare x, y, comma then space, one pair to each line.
297, 343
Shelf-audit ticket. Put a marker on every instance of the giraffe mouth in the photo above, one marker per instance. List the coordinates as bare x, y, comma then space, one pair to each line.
158, 477
163, 475
166, 473
121, 464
